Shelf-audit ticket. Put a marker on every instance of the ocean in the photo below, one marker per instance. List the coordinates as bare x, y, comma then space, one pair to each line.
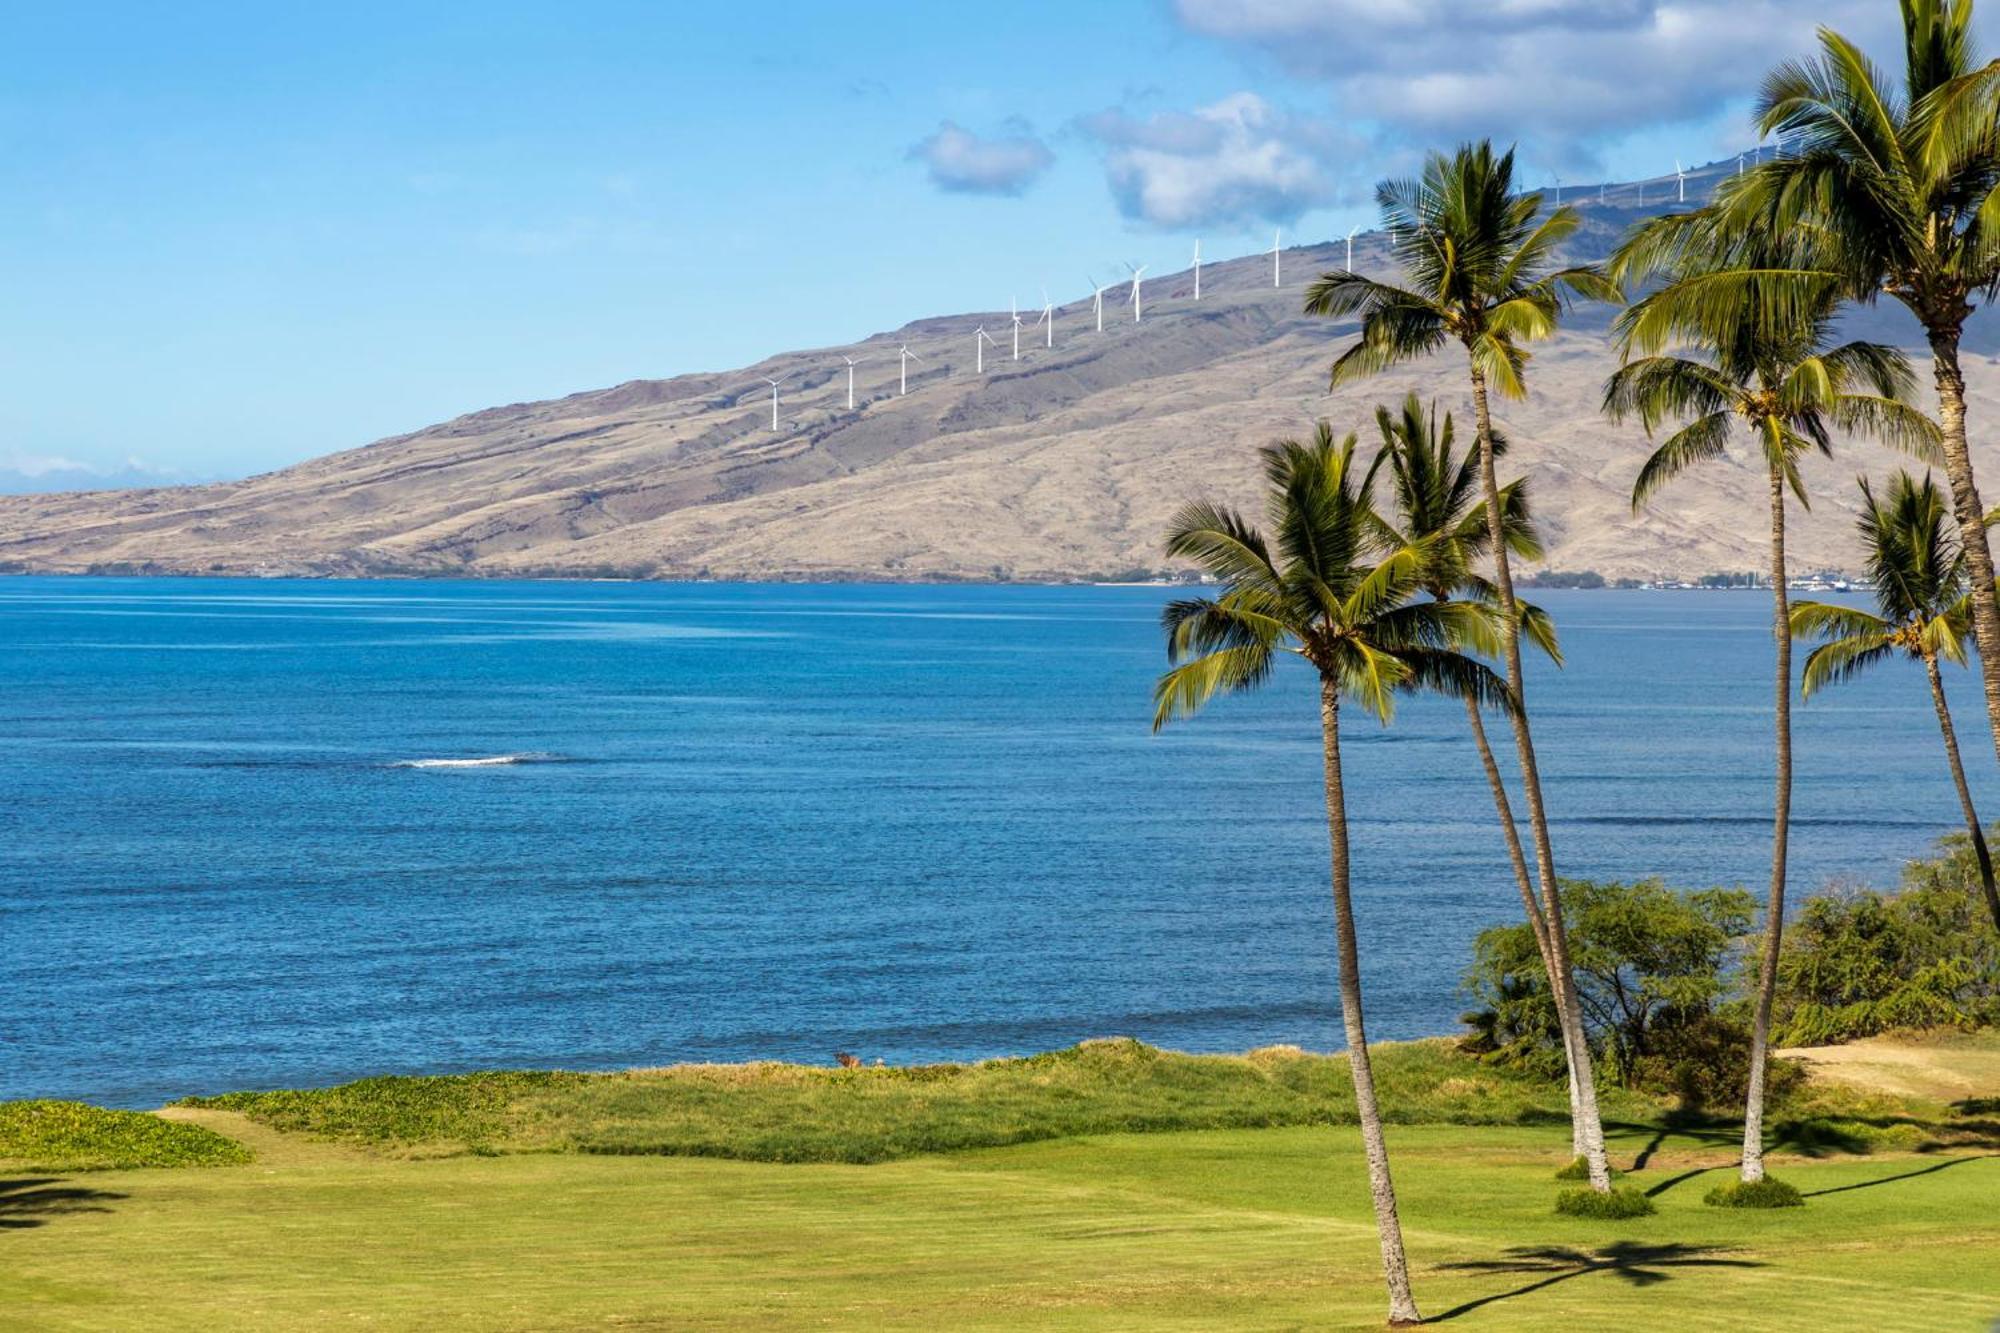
267, 833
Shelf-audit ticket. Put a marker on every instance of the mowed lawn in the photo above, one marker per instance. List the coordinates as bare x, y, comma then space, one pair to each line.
1263, 1228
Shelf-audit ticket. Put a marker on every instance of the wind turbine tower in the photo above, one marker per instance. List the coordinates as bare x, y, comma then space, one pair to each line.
1014, 306
1097, 303
979, 344
1048, 319
852, 362
1137, 273
1274, 257
1197, 268
1680, 178
774, 383
905, 356
1350, 247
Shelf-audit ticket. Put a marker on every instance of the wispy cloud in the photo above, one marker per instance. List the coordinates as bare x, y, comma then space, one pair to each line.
1236, 161
965, 163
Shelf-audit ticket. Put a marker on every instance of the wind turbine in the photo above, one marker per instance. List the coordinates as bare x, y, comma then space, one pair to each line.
905, 356
979, 346
1681, 178
1197, 268
852, 362
1014, 305
1097, 302
1350, 247
1137, 273
774, 383
1048, 319
1739, 164
1274, 257
1559, 189
1600, 193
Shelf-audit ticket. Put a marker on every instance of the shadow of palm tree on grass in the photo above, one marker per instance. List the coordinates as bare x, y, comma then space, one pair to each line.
1902, 1175
1641, 1264
30, 1201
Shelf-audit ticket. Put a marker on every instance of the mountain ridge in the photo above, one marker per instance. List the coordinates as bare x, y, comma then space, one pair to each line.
1064, 464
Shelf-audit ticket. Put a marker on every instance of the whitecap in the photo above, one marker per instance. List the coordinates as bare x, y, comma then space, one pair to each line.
479, 761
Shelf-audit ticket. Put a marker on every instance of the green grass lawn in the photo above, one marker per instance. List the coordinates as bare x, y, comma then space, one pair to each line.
1263, 1228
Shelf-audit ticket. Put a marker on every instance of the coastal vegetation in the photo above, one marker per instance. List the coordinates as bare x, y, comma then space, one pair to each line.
75, 1136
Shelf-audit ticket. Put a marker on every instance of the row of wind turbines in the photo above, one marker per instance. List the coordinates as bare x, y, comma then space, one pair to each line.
1046, 322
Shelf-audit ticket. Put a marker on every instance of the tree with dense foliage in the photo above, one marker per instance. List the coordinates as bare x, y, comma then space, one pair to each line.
1763, 373
1328, 589
1481, 266
1923, 612
1897, 182
1653, 970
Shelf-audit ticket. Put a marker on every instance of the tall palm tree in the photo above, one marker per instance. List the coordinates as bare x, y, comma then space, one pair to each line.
1437, 509
1923, 609
1482, 269
1901, 180
1323, 590
1777, 381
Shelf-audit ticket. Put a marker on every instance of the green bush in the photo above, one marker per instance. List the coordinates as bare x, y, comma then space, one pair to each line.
1765, 1193
1579, 1169
1622, 1201
73, 1136
1703, 1062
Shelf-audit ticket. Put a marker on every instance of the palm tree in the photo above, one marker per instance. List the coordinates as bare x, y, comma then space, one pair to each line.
1901, 181
1438, 510
1319, 593
1788, 391
1923, 610
1481, 262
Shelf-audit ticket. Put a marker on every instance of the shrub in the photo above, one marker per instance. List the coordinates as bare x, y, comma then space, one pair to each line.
1860, 963
1622, 1201
73, 1136
1579, 1169
1765, 1193
1704, 1061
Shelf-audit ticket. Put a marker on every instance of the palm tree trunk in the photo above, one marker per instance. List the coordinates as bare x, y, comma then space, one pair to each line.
1971, 514
1972, 827
1395, 1266
1774, 911
1505, 809
1586, 1124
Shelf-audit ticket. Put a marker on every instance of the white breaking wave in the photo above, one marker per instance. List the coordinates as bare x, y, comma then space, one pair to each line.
483, 761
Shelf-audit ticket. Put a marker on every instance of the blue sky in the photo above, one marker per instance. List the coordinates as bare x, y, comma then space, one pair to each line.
241, 235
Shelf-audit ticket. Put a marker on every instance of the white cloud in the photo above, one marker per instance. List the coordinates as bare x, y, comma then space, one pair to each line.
1234, 162
965, 163
1567, 72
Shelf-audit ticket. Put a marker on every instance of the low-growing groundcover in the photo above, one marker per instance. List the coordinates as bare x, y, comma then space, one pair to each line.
796, 1113
74, 1136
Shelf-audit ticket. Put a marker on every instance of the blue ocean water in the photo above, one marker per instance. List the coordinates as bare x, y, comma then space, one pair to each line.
777, 821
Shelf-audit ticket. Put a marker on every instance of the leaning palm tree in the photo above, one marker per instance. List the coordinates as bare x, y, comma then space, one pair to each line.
1777, 382
1901, 179
1922, 611
1483, 272
1324, 590
1438, 510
